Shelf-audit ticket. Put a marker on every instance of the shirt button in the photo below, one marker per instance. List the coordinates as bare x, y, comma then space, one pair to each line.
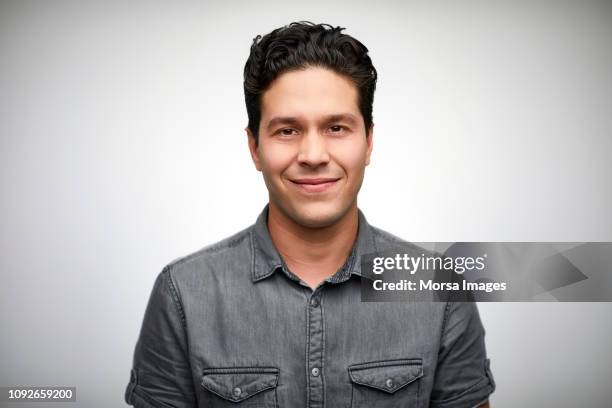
237, 391
314, 302
389, 383
315, 372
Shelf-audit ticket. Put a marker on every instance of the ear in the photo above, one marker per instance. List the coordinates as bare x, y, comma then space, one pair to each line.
253, 148
370, 142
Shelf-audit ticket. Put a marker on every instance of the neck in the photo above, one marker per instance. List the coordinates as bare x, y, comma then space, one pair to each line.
313, 254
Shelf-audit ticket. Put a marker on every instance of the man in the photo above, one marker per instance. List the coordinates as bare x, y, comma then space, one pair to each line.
272, 316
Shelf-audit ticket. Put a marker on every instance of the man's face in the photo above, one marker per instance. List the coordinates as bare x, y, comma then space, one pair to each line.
312, 146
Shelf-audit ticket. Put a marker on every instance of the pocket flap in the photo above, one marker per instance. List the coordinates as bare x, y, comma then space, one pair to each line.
388, 375
240, 383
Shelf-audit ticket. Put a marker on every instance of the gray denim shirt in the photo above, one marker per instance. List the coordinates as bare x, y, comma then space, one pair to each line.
231, 326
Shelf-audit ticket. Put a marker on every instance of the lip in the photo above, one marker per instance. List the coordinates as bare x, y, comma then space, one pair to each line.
314, 185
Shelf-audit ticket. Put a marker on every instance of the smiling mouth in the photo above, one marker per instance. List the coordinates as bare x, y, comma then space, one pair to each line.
314, 185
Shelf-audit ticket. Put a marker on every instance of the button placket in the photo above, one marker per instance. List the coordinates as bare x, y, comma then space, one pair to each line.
314, 357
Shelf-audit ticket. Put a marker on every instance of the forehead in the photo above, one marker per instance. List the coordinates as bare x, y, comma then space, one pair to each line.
313, 91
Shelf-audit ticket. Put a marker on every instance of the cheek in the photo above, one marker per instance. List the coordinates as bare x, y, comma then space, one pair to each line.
275, 159
351, 157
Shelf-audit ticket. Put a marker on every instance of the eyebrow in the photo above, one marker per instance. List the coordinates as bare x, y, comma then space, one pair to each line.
339, 117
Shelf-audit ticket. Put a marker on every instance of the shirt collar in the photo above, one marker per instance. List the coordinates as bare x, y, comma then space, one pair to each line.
266, 259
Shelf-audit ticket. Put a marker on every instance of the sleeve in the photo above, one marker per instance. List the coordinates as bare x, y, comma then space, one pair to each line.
161, 373
463, 376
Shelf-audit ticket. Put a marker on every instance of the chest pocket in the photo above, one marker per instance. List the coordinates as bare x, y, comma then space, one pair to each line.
386, 384
253, 387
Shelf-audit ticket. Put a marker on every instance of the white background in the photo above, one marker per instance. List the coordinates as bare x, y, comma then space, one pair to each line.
122, 148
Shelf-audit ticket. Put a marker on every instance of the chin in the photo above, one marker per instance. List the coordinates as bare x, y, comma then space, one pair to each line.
317, 215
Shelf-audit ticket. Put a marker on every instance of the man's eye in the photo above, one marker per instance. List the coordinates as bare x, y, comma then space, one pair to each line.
287, 132
337, 128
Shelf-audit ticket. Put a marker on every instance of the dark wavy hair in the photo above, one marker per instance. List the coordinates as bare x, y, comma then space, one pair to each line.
300, 45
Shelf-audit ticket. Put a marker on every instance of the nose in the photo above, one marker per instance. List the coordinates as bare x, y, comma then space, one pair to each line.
313, 150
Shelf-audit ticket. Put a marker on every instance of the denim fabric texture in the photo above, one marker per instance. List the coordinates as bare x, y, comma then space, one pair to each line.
231, 326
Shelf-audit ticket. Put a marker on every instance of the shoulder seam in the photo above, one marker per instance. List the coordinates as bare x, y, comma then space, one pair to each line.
394, 239
384, 234
444, 321
175, 296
